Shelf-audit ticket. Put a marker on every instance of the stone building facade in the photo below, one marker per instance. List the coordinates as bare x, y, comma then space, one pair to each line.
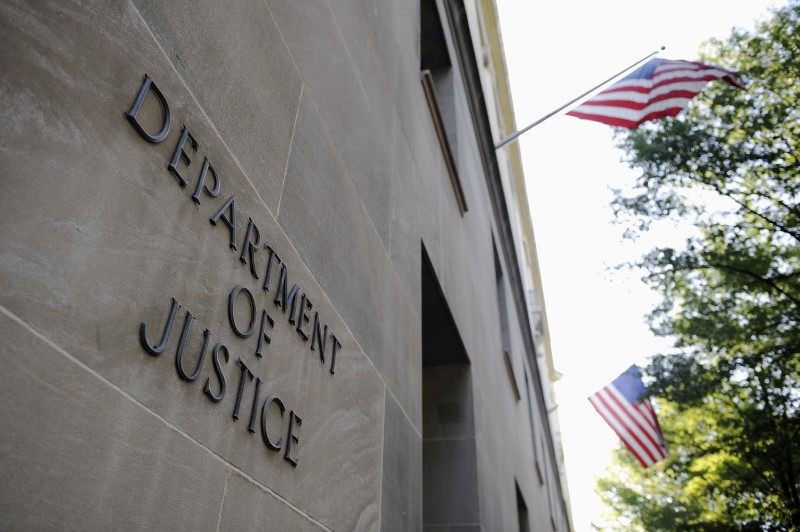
262, 268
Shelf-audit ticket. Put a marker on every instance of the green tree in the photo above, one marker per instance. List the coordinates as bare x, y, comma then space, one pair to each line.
685, 492
731, 298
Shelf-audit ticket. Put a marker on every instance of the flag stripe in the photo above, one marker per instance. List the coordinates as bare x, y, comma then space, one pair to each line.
624, 92
623, 434
626, 112
638, 420
650, 415
629, 119
636, 102
654, 420
627, 417
643, 93
646, 85
660, 88
622, 406
634, 446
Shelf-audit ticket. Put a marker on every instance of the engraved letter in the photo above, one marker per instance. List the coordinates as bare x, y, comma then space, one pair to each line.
319, 336
232, 318
254, 408
270, 263
155, 351
302, 317
291, 301
180, 153
201, 182
239, 392
291, 437
249, 247
133, 114
220, 375
264, 409
187, 326
230, 221
280, 293
336, 346
262, 334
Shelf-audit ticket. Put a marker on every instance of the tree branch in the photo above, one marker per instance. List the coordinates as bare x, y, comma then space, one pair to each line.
719, 190
765, 280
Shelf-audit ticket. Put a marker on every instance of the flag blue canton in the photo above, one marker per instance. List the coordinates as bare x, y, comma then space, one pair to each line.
646, 71
630, 384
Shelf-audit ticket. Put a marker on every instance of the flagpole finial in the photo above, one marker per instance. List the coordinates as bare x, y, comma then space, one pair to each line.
663, 47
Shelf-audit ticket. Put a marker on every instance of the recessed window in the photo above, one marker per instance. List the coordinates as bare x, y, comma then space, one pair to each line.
449, 453
534, 440
439, 85
502, 311
522, 511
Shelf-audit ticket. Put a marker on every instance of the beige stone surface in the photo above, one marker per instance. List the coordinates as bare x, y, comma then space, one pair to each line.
98, 237
317, 45
409, 216
79, 454
401, 490
234, 61
322, 214
247, 507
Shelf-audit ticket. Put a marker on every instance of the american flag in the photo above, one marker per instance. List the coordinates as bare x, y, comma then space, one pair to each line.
632, 418
659, 88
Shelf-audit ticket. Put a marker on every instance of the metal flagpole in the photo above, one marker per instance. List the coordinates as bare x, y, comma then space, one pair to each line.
551, 113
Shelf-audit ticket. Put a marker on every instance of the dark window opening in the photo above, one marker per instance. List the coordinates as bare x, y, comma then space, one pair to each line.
433, 51
449, 472
522, 512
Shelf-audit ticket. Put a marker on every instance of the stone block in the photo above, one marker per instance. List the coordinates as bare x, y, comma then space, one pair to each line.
411, 216
416, 122
322, 214
235, 63
248, 506
450, 483
362, 37
319, 50
79, 454
395, 33
401, 500
496, 514
453, 528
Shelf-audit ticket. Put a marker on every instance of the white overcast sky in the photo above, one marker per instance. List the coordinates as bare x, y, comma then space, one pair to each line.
555, 51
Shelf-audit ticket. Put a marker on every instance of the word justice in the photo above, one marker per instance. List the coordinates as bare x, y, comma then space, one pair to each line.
220, 356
